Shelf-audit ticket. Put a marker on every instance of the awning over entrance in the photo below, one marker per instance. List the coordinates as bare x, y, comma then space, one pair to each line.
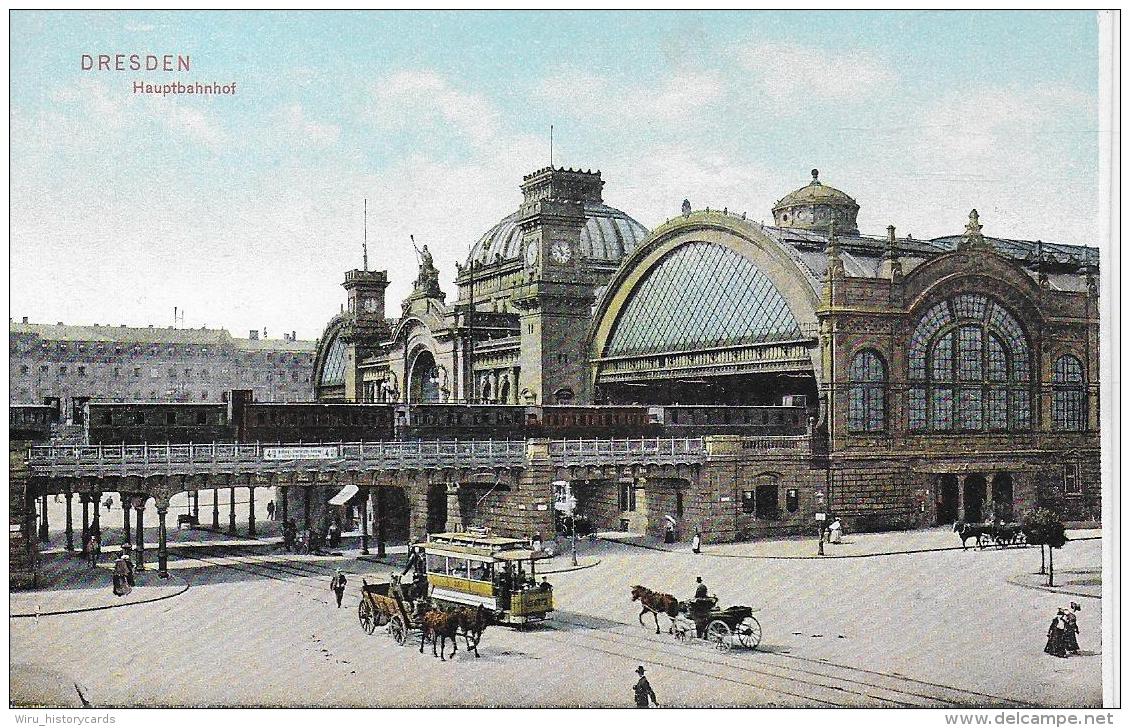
344, 496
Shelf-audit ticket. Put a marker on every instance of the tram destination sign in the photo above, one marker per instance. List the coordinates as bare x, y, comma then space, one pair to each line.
300, 452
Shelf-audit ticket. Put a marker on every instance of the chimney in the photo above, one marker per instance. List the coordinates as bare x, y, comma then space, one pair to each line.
253, 335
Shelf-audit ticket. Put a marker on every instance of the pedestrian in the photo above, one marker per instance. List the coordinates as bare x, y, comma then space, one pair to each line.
94, 549
123, 575
109, 502
335, 534
535, 542
644, 694
288, 535
1054, 646
835, 531
669, 533
337, 586
696, 542
1071, 629
270, 510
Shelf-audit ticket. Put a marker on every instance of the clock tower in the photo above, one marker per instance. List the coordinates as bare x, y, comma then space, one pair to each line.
556, 301
364, 325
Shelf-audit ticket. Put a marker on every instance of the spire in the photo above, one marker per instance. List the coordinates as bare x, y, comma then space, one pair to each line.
892, 267
1041, 273
835, 262
365, 238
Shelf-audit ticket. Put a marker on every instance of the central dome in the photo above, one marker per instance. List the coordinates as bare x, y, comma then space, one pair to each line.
609, 235
815, 206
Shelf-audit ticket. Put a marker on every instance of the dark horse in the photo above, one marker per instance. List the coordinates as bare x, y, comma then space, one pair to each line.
473, 621
656, 602
441, 626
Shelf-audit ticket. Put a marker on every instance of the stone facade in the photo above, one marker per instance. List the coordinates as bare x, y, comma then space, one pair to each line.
516, 329
122, 364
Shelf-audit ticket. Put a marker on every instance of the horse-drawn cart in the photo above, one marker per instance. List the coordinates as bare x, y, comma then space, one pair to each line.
722, 628
385, 604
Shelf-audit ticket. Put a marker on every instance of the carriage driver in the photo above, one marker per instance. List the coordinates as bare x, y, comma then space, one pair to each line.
699, 608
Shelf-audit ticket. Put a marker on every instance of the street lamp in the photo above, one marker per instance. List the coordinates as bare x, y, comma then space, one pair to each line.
820, 517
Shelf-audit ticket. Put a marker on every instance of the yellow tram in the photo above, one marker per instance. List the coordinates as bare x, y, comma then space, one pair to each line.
496, 572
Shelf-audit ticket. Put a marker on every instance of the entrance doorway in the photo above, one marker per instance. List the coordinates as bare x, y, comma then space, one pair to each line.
1002, 497
946, 500
974, 498
423, 383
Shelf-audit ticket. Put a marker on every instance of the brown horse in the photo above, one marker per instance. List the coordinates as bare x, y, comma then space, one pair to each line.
656, 602
441, 626
473, 621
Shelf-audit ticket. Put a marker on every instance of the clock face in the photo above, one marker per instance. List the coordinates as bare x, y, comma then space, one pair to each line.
562, 253
532, 253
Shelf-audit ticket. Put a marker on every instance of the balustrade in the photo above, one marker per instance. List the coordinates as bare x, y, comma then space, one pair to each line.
63, 460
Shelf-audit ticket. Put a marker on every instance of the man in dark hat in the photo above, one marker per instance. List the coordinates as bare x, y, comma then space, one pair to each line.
337, 586
700, 590
643, 691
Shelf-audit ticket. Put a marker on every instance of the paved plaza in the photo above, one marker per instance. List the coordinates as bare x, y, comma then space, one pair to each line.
256, 626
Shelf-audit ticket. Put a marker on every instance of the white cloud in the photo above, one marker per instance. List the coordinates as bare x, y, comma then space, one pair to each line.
295, 126
788, 74
609, 101
412, 99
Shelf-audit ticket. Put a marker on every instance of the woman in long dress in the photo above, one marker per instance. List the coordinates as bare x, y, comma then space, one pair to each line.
123, 576
1071, 629
1055, 647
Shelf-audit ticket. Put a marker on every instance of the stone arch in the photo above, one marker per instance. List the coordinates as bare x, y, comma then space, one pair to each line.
794, 282
423, 380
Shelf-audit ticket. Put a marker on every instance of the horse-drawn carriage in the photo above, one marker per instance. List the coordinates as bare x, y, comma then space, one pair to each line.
402, 609
701, 617
984, 534
386, 604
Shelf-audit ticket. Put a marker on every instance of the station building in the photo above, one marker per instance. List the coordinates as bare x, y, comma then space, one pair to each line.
947, 379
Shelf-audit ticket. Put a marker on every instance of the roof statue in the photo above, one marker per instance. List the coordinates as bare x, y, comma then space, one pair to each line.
686, 207
427, 282
972, 238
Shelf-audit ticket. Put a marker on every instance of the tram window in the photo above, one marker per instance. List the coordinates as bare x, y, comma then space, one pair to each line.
437, 564
482, 571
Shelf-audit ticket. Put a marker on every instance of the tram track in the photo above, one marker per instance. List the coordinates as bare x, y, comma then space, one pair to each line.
875, 686
813, 681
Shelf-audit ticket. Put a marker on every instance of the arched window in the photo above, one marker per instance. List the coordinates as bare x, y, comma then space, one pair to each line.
867, 396
1069, 401
969, 368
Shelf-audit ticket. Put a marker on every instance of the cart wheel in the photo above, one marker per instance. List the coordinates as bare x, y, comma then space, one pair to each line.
718, 633
398, 630
749, 632
366, 617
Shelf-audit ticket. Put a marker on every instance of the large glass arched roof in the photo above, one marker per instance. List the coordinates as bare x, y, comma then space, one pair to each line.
333, 370
702, 295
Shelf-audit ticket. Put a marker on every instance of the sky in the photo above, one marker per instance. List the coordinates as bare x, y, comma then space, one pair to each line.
245, 210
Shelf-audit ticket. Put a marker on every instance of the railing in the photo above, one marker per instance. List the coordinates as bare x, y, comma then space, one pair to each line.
257, 458
643, 451
249, 458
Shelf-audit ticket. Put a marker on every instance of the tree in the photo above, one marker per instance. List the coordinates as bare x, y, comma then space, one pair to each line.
1042, 527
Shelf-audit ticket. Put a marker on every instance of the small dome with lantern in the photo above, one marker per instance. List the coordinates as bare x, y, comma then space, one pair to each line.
815, 206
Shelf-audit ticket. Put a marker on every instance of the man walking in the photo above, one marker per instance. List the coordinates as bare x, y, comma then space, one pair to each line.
270, 510
337, 586
94, 548
644, 694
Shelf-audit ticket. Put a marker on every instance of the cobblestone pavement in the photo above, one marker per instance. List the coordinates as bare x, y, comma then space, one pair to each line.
258, 627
